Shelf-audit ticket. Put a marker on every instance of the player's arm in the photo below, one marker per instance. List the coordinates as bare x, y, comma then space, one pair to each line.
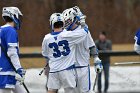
12, 52
12, 43
44, 49
97, 61
76, 36
90, 44
137, 42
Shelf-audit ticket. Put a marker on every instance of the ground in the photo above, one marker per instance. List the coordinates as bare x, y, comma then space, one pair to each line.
122, 80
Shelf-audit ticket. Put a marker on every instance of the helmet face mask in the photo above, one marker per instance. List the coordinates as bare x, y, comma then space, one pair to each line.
70, 17
14, 13
68, 22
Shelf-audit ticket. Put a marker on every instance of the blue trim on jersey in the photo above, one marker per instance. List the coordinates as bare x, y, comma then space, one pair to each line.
7, 79
55, 33
78, 17
86, 29
89, 77
46, 57
80, 66
69, 68
55, 37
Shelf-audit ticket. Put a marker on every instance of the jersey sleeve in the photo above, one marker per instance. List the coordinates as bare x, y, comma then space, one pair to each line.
75, 37
11, 38
89, 41
137, 37
44, 48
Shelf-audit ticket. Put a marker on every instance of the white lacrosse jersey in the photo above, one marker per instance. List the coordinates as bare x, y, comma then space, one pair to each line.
59, 47
82, 49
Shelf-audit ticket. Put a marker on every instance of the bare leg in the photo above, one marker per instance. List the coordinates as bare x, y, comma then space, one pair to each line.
52, 91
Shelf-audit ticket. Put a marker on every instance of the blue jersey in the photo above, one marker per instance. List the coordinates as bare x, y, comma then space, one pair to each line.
8, 38
137, 37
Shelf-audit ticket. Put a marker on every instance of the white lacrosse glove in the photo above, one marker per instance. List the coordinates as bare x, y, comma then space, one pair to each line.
82, 21
20, 76
81, 17
98, 65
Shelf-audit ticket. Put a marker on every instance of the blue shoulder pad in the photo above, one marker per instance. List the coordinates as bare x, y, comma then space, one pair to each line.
138, 37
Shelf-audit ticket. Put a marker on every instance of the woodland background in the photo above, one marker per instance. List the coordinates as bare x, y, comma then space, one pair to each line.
119, 18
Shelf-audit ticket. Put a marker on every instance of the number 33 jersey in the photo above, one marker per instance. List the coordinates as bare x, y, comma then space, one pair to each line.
59, 47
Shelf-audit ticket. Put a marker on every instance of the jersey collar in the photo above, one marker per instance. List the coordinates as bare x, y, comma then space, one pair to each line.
6, 25
55, 33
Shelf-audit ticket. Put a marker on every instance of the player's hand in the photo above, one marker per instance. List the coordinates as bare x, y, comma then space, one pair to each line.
98, 65
82, 21
80, 16
20, 76
77, 11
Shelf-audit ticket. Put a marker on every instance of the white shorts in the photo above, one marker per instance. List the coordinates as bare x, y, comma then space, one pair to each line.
84, 83
65, 78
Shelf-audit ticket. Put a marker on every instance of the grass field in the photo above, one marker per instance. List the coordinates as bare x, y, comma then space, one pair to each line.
40, 62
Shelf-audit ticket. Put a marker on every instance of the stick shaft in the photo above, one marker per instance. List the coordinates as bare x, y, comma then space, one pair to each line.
95, 81
26, 87
43, 70
126, 63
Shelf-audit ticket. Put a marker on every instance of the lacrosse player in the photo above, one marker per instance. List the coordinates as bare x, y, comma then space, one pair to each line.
137, 42
59, 47
71, 16
9, 80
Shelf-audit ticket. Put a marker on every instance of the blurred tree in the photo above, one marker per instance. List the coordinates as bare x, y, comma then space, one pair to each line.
120, 18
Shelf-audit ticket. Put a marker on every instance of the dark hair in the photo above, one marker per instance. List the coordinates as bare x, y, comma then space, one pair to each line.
8, 19
58, 24
103, 33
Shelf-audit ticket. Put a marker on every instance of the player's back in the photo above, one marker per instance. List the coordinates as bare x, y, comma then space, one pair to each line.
59, 47
7, 35
82, 50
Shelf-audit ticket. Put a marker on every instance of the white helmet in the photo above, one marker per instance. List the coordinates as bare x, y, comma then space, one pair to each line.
56, 17
71, 16
14, 13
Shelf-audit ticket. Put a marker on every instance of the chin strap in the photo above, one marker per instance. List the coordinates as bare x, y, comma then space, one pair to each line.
17, 22
70, 27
